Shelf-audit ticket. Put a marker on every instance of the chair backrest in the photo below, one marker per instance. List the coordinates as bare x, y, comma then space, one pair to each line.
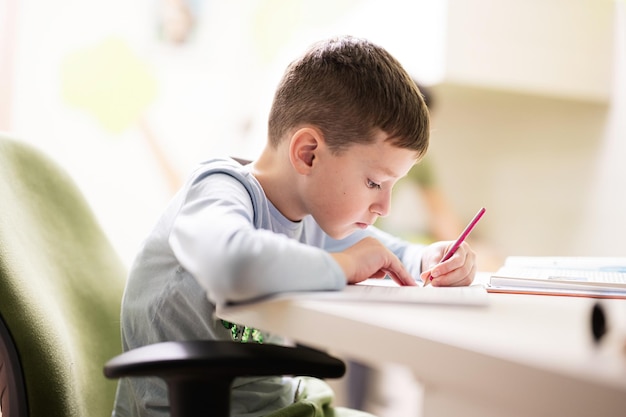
61, 285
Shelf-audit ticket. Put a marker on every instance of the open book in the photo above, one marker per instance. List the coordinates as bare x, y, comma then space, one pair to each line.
599, 277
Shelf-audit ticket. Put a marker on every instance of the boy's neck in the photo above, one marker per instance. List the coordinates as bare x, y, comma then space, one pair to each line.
278, 179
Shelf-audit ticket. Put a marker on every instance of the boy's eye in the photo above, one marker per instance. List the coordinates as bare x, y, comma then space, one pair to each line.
372, 184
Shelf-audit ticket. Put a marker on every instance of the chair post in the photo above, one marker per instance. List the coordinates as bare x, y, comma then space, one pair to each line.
189, 396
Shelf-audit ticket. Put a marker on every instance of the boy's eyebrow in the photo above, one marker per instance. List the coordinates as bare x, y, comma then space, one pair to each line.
388, 172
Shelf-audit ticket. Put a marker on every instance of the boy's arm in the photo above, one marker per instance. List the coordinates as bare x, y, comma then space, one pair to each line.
214, 238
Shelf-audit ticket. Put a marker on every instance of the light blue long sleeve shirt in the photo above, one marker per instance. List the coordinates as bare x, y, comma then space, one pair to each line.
220, 240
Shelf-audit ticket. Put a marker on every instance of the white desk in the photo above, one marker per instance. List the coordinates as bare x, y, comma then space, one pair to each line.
520, 356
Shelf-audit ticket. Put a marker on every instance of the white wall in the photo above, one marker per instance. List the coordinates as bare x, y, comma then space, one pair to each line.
530, 123
528, 159
604, 225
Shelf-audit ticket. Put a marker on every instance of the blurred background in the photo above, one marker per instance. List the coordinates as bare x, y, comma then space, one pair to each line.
530, 117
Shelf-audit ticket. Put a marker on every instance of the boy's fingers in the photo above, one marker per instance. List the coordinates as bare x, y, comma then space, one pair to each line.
403, 278
458, 277
379, 274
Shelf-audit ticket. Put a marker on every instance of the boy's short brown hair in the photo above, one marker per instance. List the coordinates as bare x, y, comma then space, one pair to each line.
349, 87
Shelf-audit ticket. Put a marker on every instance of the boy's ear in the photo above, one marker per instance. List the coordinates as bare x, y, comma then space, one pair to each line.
303, 149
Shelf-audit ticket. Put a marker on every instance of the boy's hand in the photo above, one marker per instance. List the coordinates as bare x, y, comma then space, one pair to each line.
459, 270
371, 259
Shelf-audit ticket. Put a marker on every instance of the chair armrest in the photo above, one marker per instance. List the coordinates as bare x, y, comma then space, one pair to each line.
222, 358
199, 374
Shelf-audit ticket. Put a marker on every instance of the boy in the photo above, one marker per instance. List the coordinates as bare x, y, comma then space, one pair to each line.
346, 123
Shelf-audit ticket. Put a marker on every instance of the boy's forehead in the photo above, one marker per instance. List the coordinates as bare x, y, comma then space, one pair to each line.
384, 158
393, 168
390, 171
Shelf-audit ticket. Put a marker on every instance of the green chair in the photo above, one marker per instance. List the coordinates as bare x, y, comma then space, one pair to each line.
61, 285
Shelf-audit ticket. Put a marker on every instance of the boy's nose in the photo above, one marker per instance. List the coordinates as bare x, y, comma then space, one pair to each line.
382, 205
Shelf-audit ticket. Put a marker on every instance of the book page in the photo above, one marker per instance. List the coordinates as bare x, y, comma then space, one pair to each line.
582, 276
